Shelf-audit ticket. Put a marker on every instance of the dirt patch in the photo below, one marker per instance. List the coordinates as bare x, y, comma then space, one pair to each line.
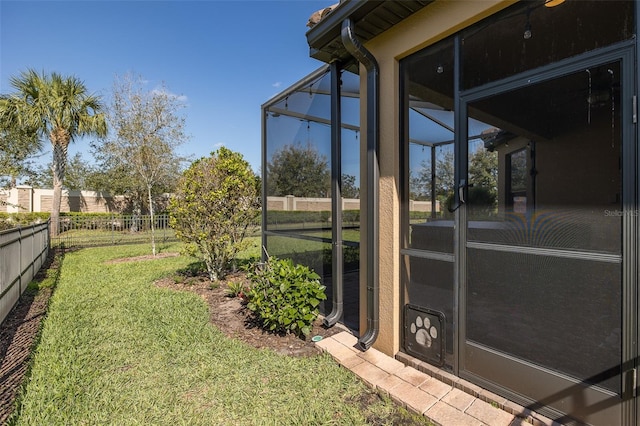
234, 319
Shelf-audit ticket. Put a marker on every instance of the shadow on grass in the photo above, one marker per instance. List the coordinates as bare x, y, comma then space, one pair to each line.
198, 268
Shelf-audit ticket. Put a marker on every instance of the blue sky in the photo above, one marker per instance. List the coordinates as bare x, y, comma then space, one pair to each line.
226, 58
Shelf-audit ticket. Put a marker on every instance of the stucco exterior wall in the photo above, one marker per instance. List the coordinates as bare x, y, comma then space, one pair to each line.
433, 23
291, 203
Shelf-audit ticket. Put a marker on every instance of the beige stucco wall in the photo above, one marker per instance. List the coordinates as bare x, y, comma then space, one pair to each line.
28, 199
41, 200
291, 203
18, 199
433, 23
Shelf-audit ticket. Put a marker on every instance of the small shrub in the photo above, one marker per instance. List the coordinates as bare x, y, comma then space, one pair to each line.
235, 289
285, 297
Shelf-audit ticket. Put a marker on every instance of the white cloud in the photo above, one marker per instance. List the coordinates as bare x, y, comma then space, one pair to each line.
277, 84
163, 91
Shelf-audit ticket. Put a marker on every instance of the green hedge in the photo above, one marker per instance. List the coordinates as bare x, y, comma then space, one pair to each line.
91, 215
285, 217
13, 220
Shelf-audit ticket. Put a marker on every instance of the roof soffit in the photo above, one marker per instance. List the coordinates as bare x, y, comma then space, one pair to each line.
370, 18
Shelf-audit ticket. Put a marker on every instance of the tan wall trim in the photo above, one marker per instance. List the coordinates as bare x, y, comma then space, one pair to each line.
431, 24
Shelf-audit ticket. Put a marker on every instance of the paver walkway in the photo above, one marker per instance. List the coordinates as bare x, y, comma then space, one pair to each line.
443, 398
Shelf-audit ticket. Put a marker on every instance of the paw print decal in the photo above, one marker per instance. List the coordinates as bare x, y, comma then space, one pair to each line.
423, 330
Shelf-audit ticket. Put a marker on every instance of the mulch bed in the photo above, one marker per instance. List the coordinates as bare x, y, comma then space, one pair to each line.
231, 316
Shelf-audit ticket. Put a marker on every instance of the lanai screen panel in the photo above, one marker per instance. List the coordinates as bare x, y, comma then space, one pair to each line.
555, 33
297, 174
428, 273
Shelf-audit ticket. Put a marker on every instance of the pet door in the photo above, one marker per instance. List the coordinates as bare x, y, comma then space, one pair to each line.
424, 334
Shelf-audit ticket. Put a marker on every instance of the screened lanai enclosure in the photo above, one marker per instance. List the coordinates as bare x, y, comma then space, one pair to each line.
502, 241
311, 184
308, 165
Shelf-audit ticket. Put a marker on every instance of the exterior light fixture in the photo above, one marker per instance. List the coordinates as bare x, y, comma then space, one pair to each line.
527, 28
553, 3
440, 69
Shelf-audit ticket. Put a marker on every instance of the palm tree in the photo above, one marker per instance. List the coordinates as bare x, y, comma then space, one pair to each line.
59, 108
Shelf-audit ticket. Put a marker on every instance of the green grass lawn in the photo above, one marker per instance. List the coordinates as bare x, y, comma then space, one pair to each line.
116, 350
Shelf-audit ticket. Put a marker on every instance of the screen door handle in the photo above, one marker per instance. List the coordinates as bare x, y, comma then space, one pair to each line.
461, 200
461, 187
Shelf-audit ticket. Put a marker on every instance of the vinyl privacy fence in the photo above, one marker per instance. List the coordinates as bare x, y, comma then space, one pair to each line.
23, 251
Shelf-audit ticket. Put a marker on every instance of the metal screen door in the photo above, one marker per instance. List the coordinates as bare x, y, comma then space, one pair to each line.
544, 268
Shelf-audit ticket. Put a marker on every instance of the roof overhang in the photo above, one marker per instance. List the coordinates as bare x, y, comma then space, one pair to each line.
370, 18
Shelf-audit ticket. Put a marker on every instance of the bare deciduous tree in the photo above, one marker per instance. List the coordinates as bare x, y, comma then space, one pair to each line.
147, 129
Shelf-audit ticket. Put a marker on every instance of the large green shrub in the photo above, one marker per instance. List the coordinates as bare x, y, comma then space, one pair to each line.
285, 297
280, 217
214, 205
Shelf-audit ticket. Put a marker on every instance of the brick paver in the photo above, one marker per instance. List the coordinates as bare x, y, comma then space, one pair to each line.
413, 398
489, 414
413, 376
444, 414
436, 388
388, 383
458, 399
347, 339
370, 373
440, 396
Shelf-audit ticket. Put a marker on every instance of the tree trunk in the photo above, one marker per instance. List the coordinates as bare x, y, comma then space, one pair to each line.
153, 225
57, 169
55, 207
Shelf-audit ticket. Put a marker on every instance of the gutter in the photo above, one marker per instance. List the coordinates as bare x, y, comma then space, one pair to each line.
336, 195
362, 55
